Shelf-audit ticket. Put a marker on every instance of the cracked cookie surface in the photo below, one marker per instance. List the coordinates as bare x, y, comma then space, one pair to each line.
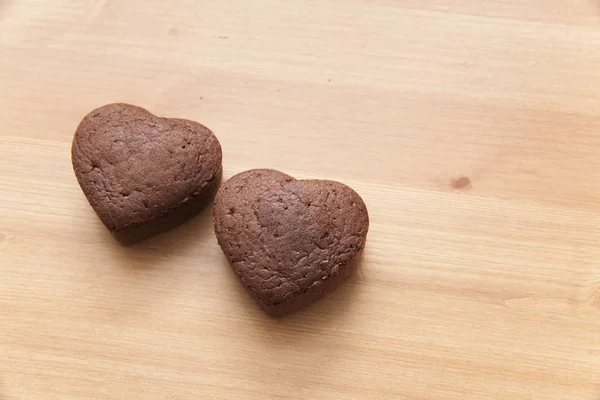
289, 241
144, 174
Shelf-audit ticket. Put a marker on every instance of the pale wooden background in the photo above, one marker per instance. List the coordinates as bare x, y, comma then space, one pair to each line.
490, 291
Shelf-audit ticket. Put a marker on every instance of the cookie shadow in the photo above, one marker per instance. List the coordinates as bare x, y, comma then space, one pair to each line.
159, 251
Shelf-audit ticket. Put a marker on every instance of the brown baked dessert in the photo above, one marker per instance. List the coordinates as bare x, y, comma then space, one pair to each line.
289, 241
143, 174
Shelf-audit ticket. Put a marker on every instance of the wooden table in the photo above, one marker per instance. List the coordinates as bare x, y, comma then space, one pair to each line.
471, 128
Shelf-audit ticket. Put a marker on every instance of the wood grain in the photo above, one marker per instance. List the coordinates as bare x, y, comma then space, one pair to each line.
480, 289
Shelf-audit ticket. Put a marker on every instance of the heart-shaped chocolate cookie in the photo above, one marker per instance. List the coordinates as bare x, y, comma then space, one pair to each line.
290, 241
143, 174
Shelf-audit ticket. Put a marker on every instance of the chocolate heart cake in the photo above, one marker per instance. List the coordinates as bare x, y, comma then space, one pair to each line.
289, 241
143, 174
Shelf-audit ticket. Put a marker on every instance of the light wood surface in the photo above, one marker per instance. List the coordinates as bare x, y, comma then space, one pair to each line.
471, 128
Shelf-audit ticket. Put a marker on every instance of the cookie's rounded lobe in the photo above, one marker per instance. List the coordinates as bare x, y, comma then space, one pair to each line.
290, 241
143, 174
